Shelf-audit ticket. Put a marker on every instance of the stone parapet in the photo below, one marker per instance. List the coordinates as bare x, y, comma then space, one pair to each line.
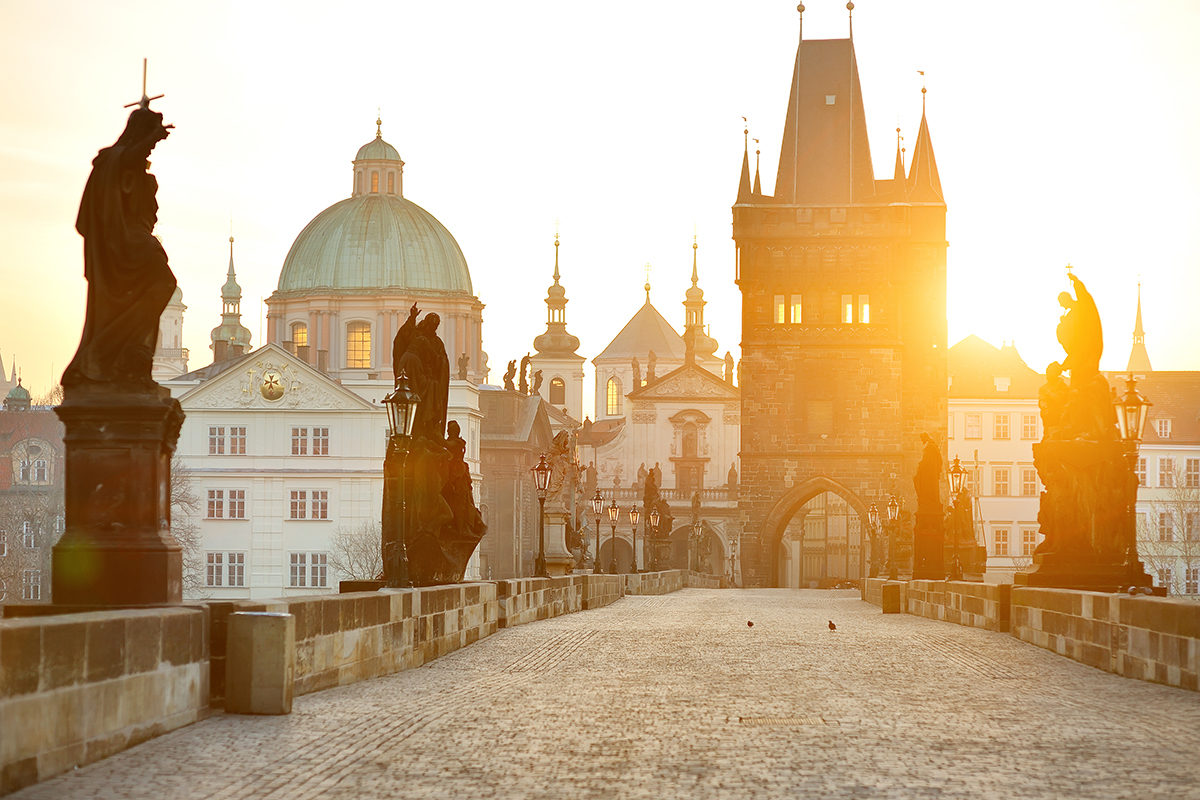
1149, 638
663, 582
601, 590
976, 605
75, 688
699, 580
522, 600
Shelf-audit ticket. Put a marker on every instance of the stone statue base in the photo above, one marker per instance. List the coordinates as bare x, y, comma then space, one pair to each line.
928, 539
117, 549
1086, 515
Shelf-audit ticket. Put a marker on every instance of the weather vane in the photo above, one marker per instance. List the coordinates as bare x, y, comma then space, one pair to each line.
145, 101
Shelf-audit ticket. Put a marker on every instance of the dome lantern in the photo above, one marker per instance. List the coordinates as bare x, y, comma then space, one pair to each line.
378, 168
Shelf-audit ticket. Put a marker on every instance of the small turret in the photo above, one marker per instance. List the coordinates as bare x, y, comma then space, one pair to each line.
231, 338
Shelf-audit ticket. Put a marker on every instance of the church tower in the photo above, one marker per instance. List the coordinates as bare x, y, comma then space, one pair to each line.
231, 338
695, 332
170, 356
561, 366
843, 281
1139, 359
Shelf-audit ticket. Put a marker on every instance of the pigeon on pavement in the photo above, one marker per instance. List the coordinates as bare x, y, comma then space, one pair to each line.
832, 627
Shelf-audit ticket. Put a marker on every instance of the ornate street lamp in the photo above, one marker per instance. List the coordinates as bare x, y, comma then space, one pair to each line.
876, 539
893, 514
697, 532
959, 518
958, 476
633, 521
653, 521
873, 515
541, 478
597, 502
893, 508
1132, 411
401, 405
613, 514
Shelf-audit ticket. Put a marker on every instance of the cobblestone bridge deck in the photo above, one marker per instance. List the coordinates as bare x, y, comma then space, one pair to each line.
675, 696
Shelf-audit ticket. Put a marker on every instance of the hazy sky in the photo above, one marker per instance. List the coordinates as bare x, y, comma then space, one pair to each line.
1064, 131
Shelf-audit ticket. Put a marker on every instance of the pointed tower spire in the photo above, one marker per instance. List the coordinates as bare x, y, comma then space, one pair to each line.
231, 338
1139, 359
924, 185
743, 195
693, 305
757, 179
898, 175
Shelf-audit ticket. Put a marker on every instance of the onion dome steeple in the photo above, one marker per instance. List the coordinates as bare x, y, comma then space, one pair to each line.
231, 338
18, 398
556, 342
694, 312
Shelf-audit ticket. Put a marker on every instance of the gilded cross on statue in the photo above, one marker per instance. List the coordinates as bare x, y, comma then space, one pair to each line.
145, 101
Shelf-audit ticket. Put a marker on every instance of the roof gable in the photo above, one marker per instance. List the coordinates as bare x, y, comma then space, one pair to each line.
689, 382
270, 378
645, 331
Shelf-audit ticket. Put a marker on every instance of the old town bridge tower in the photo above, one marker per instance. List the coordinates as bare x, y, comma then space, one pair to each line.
843, 281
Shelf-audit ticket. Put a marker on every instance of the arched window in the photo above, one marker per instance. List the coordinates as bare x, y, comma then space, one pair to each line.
374, 181
391, 183
299, 334
614, 397
358, 345
689, 440
558, 391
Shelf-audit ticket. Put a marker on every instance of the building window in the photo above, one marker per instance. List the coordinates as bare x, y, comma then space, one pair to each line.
320, 441
1163, 428
237, 569
797, 309
1000, 481
28, 538
1029, 426
216, 504
237, 441
1191, 581
1141, 471
319, 507
391, 183
1166, 473
358, 345
26, 472
3, 543
237, 503
1166, 529
299, 505
31, 584
39, 471
1192, 473
214, 569
374, 181
780, 310
1000, 426
847, 309
1028, 541
216, 441
1191, 526
973, 427
950, 426
308, 569
1165, 577
299, 441
864, 309
1028, 482
558, 392
299, 334
1000, 542
613, 404
971, 481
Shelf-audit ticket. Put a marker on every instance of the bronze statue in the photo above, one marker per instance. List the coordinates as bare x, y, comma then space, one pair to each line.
418, 351
728, 367
509, 374
1052, 400
526, 366
1079, 331
927, 481
731, 479
464, 363
537, 381
129, 281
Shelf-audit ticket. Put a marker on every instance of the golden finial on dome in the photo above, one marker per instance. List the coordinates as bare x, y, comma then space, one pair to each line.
378, 124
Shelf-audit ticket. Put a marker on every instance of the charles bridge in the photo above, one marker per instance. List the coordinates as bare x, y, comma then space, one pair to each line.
642, 685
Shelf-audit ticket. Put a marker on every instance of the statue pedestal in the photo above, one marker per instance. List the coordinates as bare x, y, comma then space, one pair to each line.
1086, 515
559, 560
928, 545
117, 549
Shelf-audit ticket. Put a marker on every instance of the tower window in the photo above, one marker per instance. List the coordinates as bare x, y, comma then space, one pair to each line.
391, 183
358, 345
797, 309
864, 308
299, 334
558, 392
613, 404
847, 309
374, 182
780, 310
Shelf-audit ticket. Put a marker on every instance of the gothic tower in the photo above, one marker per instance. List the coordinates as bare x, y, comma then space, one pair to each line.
561, 366
843, 281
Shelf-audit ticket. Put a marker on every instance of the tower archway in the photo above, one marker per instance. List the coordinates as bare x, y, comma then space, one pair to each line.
816, 535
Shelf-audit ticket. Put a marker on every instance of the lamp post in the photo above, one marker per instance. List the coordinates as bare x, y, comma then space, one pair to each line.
541, 478
873, 521
401, 405
634, 514
893, 514
961, 507
597, 502
653, 523
613, 514
1132, 411
697, 532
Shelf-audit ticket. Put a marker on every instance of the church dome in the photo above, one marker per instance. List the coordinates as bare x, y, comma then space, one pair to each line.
376, 239
18, 392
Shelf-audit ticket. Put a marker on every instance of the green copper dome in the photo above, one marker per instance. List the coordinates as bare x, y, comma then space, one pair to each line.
377, 149
371, 242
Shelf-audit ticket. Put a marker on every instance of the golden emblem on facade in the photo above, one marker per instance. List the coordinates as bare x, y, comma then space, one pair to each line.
272, 385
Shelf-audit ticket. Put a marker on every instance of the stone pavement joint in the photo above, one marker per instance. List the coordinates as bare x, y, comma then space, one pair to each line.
675, 696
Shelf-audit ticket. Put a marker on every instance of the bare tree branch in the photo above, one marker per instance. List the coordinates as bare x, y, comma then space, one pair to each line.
357, 553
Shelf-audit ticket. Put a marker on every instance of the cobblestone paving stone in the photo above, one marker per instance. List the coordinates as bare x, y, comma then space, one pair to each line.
675, 696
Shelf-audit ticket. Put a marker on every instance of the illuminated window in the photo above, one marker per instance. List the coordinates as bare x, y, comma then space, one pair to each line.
1000, 426
613, 404
374, 181
1000, 542
797, 309
864, 308
847, 308
1000, 477
391, 183
558, 391
780, 310
299, 334
358, 345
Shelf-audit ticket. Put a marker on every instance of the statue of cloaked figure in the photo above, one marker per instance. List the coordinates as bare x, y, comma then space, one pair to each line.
928, 530
442, 526
129, 282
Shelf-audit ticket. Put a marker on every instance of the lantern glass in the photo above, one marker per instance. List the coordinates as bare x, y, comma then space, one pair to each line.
654, 517
401, 405
873, 515
957, 475
614, 513
634, 515
541, 476
893, 508
1132, 412
597, 502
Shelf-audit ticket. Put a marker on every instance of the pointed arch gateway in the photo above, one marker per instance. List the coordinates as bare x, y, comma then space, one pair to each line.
786, 508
